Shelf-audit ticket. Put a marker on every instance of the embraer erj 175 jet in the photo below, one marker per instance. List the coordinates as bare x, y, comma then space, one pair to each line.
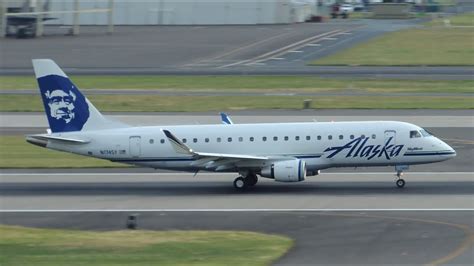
285, 152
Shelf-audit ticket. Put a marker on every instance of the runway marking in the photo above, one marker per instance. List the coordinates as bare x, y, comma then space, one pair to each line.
237, 210
280, 50
329, 39
247, 46
295, 51
313, 44
221, 174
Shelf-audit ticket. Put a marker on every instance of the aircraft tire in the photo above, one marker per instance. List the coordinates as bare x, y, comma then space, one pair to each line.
239, 183
400, 183
251, 180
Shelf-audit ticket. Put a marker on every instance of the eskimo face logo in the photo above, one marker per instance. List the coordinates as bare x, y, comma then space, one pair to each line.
65, 106
61, 105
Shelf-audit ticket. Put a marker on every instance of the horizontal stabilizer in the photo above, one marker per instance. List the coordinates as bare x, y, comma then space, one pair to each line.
49, 137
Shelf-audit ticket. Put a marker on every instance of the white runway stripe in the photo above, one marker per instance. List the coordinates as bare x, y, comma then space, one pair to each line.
236, 210
220, 174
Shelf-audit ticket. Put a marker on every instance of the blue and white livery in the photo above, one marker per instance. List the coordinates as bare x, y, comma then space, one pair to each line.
285, 152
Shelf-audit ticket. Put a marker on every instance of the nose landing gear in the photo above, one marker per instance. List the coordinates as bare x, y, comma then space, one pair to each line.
400, 181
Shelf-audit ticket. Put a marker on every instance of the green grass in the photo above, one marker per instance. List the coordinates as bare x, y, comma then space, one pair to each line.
244, 83
31, 246
15, 152
157, 103
465, 19
413, 47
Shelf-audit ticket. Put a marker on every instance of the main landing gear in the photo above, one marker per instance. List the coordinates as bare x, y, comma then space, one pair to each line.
240, 183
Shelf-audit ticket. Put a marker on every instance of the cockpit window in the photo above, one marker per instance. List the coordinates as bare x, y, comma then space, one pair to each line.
425, 133
415, 134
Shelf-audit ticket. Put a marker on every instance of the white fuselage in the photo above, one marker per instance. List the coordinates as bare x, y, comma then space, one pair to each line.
320, 144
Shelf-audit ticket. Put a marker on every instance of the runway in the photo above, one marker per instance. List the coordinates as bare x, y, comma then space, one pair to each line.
151, 191
355, 219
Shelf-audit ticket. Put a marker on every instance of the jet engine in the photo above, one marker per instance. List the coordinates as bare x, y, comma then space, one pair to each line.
286, 171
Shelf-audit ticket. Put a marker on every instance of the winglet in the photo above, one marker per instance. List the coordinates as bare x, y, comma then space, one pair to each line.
226, 119
178, 146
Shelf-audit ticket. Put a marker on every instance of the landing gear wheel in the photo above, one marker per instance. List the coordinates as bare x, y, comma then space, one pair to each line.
239, 183
251, 180
400, 183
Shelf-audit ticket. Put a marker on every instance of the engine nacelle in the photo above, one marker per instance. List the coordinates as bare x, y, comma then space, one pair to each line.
286, 171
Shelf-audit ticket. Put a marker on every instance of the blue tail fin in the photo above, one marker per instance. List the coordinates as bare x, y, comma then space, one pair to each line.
66, 107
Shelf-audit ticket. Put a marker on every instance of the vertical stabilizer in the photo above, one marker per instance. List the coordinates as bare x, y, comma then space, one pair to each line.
66, 107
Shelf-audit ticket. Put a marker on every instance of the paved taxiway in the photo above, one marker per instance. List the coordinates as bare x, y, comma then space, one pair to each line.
215, 50
352, 238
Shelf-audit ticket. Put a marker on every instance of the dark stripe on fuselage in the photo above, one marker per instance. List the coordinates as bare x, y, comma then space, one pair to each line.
429, 153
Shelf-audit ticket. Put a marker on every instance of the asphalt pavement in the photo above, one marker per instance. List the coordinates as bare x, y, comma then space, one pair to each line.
321, 238
215, 50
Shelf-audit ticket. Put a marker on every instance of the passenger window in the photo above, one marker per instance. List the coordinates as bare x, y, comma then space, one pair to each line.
184, 140
351, 137
286, 138
195, 140
162, 141
241, 139
219, 139
275, 138
264, 138
297, 137
329, 137
206, 140
415, 134
319, 137
152, 141
308, 137
251, 139
341, 136
229, 139
373, 136
362, 136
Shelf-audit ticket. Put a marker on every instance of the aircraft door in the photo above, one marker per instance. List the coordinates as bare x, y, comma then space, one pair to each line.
135, 146
390, 134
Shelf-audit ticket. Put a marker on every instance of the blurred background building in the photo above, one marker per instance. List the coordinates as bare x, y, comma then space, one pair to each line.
180, 12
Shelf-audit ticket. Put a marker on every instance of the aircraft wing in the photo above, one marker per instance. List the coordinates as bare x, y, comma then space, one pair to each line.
217, 161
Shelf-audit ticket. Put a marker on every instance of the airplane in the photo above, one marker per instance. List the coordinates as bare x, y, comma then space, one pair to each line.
285, 152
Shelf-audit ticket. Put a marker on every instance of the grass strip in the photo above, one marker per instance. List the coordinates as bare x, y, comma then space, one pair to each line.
157, 103
263, 83
15, 152
414, 47
32, 246
465, 19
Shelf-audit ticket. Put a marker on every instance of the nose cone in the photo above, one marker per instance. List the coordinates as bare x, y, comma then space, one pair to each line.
444, 149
